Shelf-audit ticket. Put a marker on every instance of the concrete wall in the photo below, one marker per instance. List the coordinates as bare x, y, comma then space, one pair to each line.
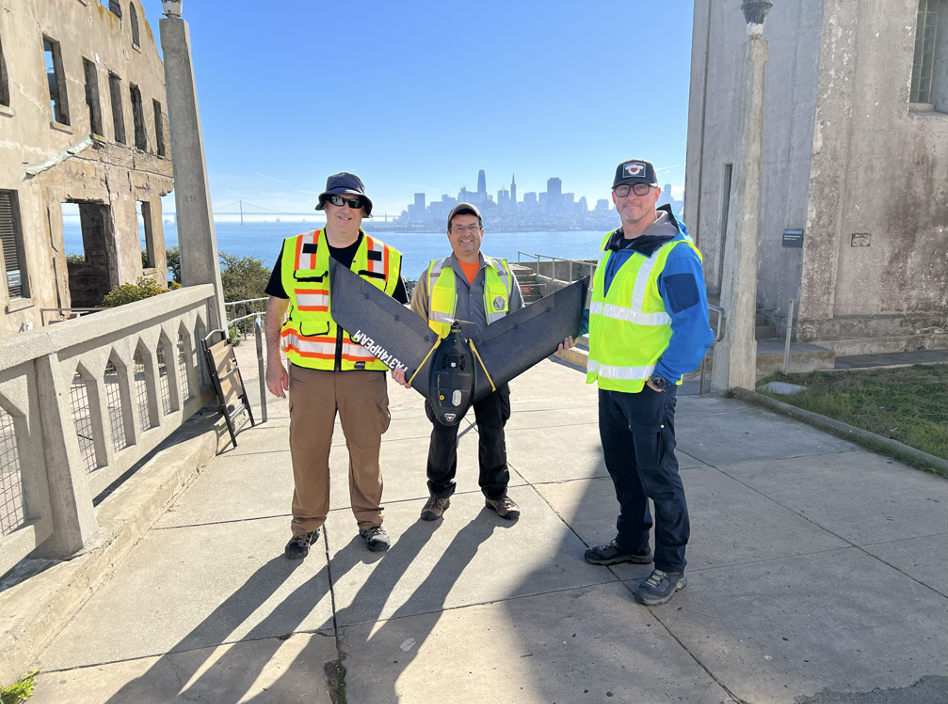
842, 154
880, 172
793, 33
106, 172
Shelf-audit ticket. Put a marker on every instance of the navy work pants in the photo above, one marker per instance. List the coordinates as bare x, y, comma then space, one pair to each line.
491, 413
638, 444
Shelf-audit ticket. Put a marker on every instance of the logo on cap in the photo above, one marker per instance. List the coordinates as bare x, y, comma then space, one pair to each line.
634, 169
499, 303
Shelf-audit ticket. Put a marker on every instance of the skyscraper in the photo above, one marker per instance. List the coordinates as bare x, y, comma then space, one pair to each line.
513, 190
554, 195
482, 184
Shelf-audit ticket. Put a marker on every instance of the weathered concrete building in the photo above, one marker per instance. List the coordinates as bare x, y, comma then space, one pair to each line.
82, 120
854, 165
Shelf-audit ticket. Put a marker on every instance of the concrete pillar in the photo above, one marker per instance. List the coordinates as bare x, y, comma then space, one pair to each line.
735, 357
192, 196
74, 522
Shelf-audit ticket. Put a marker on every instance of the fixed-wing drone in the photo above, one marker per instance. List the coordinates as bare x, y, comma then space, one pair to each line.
453, 372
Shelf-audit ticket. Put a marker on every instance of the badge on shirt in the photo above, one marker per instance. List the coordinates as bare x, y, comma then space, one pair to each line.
360, 365
499, 303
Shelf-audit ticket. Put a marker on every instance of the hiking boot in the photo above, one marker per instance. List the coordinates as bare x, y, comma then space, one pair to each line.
298, 547
505, 507
434, 508
611, 554
660, 587
376, 539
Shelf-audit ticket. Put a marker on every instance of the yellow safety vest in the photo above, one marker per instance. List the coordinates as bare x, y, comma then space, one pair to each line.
443, 296
629, 328
309, 334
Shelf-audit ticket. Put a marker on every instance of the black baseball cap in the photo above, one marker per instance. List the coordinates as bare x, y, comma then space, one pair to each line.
461, 209
635, 171
345, 183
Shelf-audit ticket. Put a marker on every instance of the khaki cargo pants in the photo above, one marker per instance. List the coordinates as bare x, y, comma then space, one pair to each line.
361, 397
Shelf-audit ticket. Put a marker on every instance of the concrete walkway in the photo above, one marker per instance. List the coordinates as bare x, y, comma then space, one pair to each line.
818, 572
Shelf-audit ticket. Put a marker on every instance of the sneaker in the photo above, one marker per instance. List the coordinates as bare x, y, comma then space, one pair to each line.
376, 539
505, 507
434, 508
298, 547
611, 554
660, 587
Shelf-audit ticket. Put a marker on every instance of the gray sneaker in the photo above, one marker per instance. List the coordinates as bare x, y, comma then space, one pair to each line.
660, 587
376, 539
434, 508
298, 547
611, 554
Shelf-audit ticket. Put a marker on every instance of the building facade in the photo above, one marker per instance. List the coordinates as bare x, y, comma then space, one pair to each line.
83, 120
854, 168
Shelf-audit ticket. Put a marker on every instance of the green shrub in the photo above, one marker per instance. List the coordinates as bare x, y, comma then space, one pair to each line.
75, 258
243, 277
21, 691
129, 293
173, 285
173, 255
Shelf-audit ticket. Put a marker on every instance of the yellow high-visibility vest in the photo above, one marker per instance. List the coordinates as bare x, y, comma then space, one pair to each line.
443, 295
629, 328
309, 334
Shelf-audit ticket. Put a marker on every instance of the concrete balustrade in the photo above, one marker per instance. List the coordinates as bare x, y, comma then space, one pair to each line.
81, 403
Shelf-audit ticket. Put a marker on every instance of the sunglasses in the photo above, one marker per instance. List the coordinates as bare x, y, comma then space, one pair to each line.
639, 189
339, 201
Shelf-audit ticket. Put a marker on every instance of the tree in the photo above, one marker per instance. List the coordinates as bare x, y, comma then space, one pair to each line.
173, 255
242, 277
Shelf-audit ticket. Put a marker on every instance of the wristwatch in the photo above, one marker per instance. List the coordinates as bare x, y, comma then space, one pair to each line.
659, 382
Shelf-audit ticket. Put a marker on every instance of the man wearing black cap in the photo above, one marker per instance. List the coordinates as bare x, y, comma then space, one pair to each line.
328, 371
474, 290
648, 325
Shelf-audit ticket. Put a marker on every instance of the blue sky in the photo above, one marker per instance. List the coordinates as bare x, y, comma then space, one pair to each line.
417, 96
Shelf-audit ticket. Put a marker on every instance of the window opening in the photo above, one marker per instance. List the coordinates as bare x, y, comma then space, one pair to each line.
141, 391
4, 81
146, 235
159, 128
90, 252
92, 96
138, 117
133, 21
57, 81
115, 7
118, 116
164, 379
11, 236
184, 353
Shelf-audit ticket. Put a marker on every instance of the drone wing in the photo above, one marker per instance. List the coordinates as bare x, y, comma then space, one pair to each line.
382, 325
525, 337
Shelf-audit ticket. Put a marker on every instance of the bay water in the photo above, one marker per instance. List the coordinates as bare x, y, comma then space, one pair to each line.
263, 240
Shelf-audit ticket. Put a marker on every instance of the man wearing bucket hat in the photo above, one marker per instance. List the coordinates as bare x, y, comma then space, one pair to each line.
474, 290
648, 326
328, 371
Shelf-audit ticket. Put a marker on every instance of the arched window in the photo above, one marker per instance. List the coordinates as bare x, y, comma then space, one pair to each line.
133, 20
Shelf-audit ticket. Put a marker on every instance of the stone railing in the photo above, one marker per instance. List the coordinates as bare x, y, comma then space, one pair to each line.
81, 403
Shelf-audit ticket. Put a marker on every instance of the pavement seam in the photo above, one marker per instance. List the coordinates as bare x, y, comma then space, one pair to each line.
824, 528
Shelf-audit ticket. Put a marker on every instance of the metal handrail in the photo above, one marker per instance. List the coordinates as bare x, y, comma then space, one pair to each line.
231, 307
718, 336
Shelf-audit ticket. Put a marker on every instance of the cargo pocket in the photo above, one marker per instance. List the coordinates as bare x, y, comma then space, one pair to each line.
385, 415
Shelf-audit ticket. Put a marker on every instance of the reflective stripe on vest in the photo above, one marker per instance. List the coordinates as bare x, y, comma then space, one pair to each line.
629, 326
442, 293
309, 334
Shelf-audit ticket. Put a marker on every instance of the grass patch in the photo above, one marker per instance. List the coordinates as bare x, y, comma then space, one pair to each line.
908, 404
21, 691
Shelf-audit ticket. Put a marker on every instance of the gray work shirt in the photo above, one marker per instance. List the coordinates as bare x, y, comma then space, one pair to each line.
470, 309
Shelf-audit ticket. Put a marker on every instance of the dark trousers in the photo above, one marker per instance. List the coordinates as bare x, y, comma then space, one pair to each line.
491, 414
638, 444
